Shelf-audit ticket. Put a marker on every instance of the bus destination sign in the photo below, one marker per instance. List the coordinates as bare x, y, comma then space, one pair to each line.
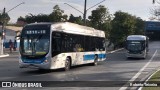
35, 31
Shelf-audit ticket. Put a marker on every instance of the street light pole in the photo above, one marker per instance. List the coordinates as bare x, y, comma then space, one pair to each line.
3, 25
153, 2
85, 12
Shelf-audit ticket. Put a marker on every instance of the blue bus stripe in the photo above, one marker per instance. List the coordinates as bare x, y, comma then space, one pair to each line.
91, 56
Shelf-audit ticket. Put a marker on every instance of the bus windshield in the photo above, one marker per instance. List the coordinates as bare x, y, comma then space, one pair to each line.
135, 45
34, 41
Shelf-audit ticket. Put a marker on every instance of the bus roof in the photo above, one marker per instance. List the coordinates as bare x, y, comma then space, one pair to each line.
72, 28
136, 37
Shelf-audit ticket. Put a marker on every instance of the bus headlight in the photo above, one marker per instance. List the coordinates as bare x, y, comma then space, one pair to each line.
45, 61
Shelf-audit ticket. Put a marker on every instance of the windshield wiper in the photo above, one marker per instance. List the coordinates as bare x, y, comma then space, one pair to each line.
38, 37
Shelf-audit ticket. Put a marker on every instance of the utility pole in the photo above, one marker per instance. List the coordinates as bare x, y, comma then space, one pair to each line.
3, 33
85, 11
153, 2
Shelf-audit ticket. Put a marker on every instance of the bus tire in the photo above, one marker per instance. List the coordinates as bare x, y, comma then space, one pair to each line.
144, 57
95, 60
67, 64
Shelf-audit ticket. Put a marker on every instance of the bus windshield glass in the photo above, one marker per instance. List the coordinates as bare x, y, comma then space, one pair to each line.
35, 40
135, 45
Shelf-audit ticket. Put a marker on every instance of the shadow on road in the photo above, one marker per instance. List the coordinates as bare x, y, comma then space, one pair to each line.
131, 58
73, 68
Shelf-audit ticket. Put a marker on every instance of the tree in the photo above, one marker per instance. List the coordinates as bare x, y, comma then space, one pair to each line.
21, 19
42, 18
74, 19
57, 15
4, 18
30, 18
123, 25
155, 11
101, 19
71, 18
139, 26
99, 16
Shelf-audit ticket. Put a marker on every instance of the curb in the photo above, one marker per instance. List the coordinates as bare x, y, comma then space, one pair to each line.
6, 55
140, 88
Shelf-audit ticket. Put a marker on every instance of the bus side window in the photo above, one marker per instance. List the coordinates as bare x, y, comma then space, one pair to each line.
56, 43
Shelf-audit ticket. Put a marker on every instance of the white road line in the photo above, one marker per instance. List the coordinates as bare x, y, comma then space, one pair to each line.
140, 71
116, 50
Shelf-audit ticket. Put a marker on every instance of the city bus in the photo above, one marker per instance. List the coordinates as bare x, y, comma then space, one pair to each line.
137, 46
60, 45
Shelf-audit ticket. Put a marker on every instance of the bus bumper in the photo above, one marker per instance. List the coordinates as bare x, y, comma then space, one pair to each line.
136, 55
34, 66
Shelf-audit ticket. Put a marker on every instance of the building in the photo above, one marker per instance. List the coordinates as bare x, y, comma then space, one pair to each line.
152, 30
10, 34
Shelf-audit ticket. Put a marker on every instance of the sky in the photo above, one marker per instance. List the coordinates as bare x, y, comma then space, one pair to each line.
139, 8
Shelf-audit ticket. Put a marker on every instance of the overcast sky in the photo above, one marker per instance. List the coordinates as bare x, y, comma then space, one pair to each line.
140, 8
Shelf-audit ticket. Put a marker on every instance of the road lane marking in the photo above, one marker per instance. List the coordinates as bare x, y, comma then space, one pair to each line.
140, 71
116, 50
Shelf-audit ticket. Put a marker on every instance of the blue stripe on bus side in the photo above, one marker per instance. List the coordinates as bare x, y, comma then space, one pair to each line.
91, 56
34, 61
101, 56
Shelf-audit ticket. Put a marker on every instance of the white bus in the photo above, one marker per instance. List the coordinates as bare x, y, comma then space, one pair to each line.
60, 45
137, 46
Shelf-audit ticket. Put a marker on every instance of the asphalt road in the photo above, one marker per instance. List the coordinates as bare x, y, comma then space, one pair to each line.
116, 68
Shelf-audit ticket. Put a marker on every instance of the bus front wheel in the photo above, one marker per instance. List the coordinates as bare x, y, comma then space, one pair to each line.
67, 64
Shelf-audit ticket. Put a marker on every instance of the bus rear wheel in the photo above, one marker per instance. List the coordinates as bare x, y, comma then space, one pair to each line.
67, 64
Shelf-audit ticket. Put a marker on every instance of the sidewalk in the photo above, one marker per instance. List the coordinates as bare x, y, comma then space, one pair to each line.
4, 55
7, 53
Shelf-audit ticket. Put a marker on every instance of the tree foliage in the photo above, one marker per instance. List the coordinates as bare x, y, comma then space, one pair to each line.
100, 19
155, 11
124, 24
35, 18
74, 19
56, 16
4, 18
140, 26
21, 19
99, 16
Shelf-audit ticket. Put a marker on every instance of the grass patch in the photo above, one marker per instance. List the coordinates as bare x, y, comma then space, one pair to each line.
154, 78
